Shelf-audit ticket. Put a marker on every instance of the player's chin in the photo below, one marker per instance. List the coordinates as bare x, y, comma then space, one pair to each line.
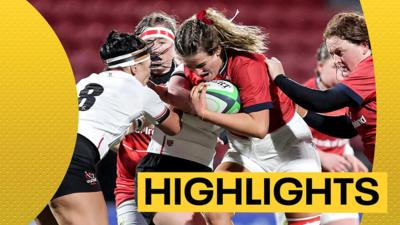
156, 67
156, 71
208, 77
343, 69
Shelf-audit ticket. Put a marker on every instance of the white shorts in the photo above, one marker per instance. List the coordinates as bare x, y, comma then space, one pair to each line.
127, 214
288, 149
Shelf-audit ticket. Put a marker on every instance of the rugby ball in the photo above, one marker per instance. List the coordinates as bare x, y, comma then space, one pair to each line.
222, 96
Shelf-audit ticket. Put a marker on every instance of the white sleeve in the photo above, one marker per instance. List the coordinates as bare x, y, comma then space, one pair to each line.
154, 106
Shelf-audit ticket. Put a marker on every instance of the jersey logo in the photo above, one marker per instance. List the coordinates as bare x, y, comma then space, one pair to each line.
360, 121
90, 178
147, 130
170, 142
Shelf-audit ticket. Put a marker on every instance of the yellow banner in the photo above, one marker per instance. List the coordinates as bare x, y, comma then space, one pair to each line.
262, 192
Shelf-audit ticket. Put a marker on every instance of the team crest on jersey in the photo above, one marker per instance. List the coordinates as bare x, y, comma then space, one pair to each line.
170, 142
90, 178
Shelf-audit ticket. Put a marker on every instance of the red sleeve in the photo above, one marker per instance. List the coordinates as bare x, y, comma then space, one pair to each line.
360, 84
252, 79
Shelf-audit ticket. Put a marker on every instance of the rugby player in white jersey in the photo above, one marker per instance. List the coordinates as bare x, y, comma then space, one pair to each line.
109, 103
158, 30
192, 150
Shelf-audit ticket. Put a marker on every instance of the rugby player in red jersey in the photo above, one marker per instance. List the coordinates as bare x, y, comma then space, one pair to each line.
267, 134
158, 30
347, 40
336, 154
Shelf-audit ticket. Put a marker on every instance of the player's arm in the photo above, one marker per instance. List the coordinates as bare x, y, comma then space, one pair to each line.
171, 125
333, 162
253, 124
314, 100
177, 93
250, 77
168, 119
356, 164
336, 126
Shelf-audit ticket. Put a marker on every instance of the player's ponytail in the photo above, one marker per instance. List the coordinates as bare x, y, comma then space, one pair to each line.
209, 29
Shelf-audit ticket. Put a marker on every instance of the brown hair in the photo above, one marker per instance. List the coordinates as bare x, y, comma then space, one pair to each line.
154, 19
216, 30
348, 26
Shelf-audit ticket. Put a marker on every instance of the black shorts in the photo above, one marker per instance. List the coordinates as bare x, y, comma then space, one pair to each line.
164, 163
81, 173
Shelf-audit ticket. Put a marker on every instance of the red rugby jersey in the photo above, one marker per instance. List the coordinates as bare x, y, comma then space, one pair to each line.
132, 150
249, 73
360, 86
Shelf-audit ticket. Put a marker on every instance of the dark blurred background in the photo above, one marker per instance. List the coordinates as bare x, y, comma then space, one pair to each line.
295, 30
295, 26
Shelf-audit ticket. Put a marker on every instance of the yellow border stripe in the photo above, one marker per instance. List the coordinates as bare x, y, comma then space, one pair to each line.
383, 22
38, 112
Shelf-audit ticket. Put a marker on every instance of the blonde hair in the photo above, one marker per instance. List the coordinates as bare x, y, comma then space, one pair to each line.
156, 18
194, 35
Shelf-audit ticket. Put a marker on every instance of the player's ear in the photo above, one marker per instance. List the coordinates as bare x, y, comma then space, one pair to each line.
218, 50
133, 69
365, 47
318, 68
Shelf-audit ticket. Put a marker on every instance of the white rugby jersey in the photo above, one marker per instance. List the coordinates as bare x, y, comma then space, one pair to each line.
109, 101
196, 141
